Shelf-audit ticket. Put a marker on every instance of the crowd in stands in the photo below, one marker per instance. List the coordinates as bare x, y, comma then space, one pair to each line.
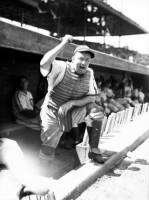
114, 96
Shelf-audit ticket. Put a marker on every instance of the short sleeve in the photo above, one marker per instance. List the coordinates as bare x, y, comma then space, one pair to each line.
56, 73
31, 100
57, 67
24, 101
20, 100
30, 96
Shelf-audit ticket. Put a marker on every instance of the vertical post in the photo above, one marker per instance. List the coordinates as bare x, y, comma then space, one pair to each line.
59, 26
84, 26
104, 39
22, 17
104, 29
119, 41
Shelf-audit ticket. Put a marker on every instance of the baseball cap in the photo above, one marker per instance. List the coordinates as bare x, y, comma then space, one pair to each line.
84, 48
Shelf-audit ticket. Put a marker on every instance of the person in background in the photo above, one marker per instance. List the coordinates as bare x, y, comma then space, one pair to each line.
118, 91
128, 91
112, 104
135, 95
141, 95
23, 105
128, 88
101, 99
70, 99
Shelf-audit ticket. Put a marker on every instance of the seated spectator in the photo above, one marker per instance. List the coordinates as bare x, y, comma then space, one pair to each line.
101, 99
118, 91
141, 95
113, 105
135, 95
128, 92
23, 106
128, 88
138, 95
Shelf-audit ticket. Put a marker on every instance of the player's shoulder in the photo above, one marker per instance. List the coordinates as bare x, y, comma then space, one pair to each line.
59, 63
58, 66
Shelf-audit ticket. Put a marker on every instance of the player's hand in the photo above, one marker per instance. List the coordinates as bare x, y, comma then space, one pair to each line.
65, 108
97, 115
67, 38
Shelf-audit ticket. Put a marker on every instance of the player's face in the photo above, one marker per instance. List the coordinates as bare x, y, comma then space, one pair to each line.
81, 61
24, 84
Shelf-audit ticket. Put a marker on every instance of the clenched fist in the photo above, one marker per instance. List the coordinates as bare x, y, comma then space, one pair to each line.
67, 38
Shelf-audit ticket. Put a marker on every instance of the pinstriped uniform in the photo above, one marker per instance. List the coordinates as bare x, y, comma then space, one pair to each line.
77, 88
72, 86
